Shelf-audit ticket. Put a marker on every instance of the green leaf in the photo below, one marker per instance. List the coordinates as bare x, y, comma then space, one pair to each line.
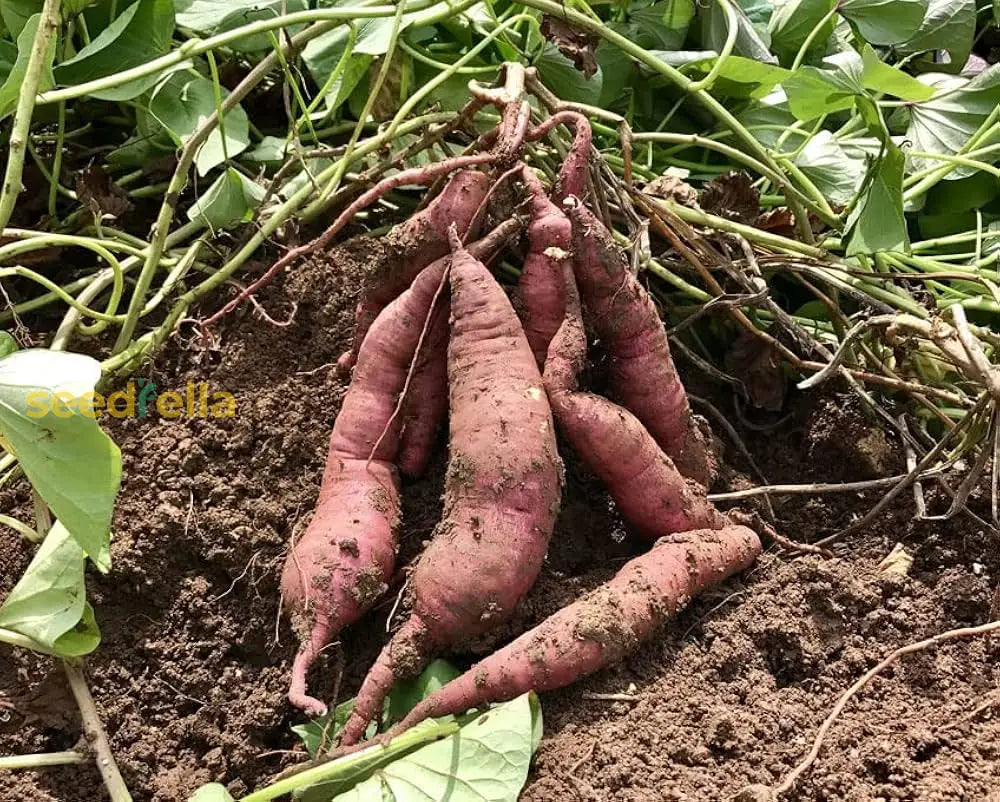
326, 727
658, 26
406, 695
211, 792
792, 23
758, 11
750, 42
48, 604
269, 149
768, 117
8, 345
72, 464
996, 12
877, 222
745, 72
880, 77
617, 71
211, 17
813, 92
949, 25
963, 195
321, 56
11, 88
16, 13
141, 33
231, 200
828, 166
884, 22
566, 81
485, 761
945, 123
183, 102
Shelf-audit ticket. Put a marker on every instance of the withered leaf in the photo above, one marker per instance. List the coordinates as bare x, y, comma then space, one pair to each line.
96, 190
576, 44
732, 196
756, 363
673, 188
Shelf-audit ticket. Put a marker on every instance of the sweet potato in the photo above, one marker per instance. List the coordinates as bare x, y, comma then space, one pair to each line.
342, 562
411, 246
540, 288
602, 627
652, 496
502, 490
642, 373
426, 403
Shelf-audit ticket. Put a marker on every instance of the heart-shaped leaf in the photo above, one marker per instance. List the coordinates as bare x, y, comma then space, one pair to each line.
884, 22
183, 102
48, 604
948, 25
72, 464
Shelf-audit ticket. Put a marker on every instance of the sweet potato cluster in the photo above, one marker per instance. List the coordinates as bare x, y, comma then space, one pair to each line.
438, 338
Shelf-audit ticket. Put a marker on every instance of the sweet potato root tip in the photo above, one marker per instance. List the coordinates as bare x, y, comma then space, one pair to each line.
603, 626
642, 370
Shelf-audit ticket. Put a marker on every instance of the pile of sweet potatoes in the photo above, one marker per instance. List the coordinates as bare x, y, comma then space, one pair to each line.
438, 338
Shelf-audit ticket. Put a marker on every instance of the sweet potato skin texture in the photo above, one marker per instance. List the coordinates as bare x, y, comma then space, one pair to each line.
413, 245
343, 561
502, 489
603, 626
426, 403
651, 494
642, 372
540, 288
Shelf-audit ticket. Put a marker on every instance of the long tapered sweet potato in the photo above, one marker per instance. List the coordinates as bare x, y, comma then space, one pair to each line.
602, 627
502, 489
540, 288
426, 403
411, 246
642, 373
649, 491
342, 562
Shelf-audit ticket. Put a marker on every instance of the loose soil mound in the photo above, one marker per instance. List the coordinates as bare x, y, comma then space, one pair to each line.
191, 675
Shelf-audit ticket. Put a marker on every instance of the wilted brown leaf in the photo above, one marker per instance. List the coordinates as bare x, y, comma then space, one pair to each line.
732, 196
673, 188
756, 363
96, 190
576, 44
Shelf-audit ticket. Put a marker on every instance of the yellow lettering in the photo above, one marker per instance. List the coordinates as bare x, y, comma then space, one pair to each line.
169, 405
38, 404
62, 405
88, 404
128, 396
223, 405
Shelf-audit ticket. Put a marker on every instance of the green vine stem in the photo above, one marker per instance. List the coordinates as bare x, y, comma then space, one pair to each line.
23, 642
38, 60
418, 736
198, 47
40, 761
27, 532
94, 732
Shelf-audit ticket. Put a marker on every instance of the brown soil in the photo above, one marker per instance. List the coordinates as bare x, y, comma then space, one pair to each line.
191, 674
